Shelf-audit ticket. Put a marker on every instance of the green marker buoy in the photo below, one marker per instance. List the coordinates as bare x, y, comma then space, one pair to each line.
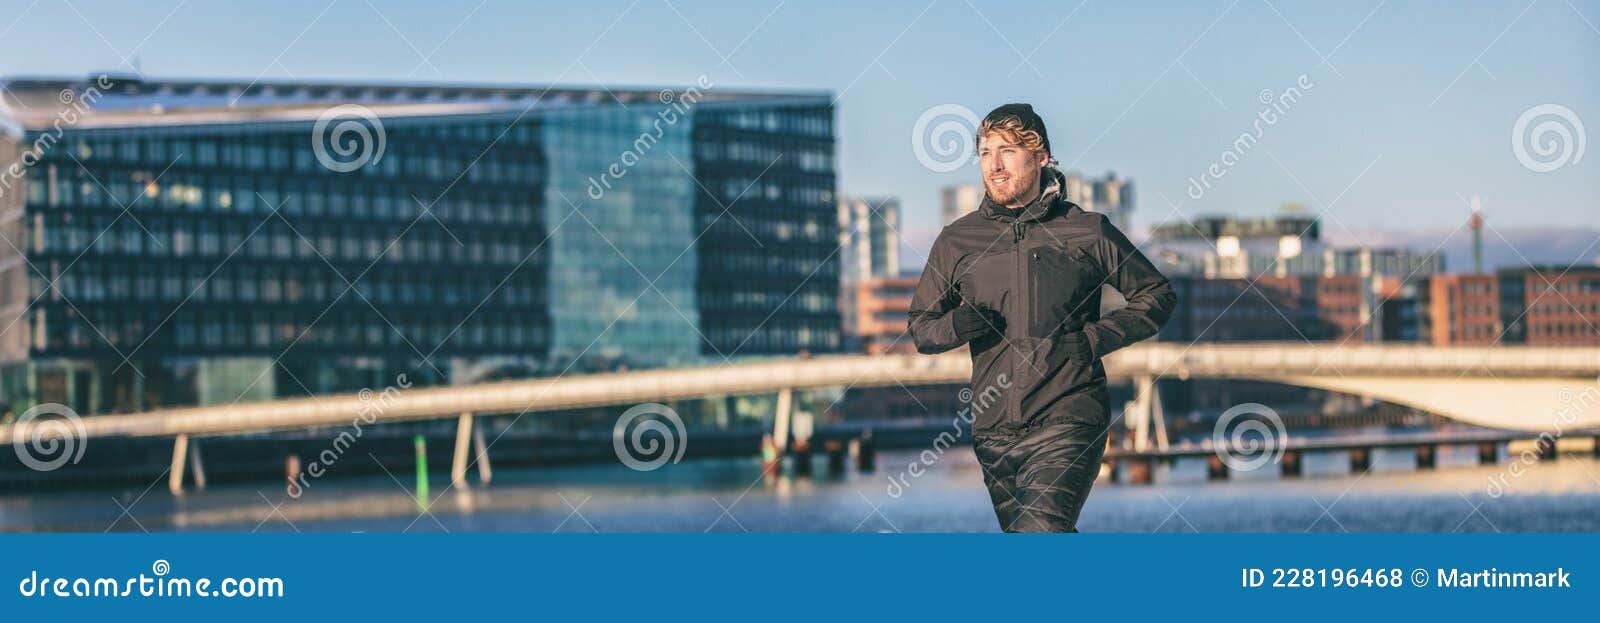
422, 472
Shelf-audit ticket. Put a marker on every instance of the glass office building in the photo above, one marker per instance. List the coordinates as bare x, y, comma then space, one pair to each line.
184, 242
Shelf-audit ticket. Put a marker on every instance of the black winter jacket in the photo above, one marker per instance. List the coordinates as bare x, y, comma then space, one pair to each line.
1042, 271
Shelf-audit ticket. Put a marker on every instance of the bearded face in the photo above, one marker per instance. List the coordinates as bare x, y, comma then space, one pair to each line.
1010, 171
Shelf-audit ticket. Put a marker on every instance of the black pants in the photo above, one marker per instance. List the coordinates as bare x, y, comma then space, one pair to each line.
1038, 479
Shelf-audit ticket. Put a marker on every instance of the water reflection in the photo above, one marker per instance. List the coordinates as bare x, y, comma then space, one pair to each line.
734, 496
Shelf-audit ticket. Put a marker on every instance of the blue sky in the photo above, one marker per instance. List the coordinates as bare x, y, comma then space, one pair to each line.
1413, 108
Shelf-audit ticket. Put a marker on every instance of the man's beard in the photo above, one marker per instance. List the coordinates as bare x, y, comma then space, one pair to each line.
1016, 191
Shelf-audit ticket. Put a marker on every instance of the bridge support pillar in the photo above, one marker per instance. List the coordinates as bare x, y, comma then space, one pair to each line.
481, 449
196, 466
180, 460
458, 466
780, 420
1145, 416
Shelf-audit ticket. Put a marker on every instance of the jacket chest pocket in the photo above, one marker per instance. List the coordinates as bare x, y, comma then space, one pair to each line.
982, 279
1058, 281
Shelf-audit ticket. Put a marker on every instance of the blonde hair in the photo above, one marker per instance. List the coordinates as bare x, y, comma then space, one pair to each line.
1011, 128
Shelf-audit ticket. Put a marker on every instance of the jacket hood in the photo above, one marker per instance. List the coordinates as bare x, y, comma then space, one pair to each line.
1052, 184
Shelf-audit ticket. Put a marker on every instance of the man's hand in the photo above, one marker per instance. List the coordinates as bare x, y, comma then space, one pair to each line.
972, 322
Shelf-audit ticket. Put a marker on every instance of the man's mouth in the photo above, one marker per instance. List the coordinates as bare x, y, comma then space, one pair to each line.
999, 179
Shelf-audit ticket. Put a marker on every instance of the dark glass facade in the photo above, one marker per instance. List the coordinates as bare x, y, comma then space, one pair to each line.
170, 261
771, 284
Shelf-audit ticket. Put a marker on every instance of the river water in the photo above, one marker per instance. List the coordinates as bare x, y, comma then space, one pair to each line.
733, 496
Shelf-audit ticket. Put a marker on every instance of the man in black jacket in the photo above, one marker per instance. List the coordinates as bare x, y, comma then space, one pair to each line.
1019, 281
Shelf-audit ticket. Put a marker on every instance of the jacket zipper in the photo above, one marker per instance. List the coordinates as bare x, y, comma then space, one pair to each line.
1015, 412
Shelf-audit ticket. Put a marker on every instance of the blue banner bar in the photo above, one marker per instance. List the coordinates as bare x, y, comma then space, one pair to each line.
790, 577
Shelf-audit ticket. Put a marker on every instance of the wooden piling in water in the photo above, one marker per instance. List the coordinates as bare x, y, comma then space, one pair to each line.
1140, 471
1488, 453
1427, 456
867, 453
1216, 468
1546, 447
836, 454
1360, 460
1291, 464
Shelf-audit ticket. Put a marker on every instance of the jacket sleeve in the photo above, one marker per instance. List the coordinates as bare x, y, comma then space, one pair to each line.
1150, 295
936, 296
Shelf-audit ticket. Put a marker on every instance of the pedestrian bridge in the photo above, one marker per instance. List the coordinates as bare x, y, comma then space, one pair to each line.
1539, 389
1509, 387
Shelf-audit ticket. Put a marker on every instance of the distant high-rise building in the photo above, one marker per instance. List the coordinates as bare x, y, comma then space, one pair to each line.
883, 310
869, 248
1366, 262
959, 200
198, 241
1225, 247
869, 238
1460, 309
1109, 195
1230, 247
1550, 305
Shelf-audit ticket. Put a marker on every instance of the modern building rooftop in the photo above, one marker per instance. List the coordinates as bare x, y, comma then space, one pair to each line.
122, 99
